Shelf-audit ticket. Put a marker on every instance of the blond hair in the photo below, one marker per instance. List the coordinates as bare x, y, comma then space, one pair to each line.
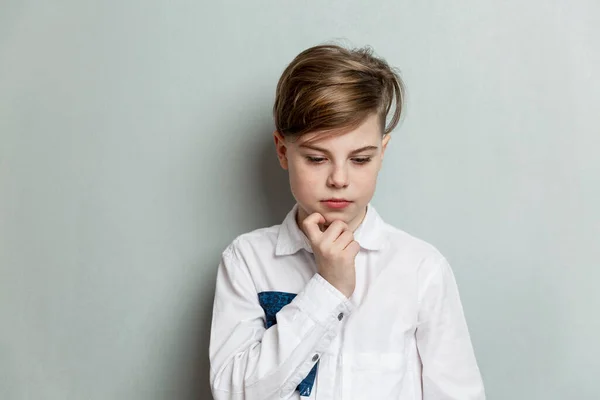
329, 88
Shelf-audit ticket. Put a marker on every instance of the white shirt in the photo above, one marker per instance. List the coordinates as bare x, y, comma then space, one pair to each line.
281, 331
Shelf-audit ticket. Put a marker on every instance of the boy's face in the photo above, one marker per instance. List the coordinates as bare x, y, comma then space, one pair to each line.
338, 167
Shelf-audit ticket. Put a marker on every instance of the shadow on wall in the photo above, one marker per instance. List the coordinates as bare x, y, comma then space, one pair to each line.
270, 199
276, 197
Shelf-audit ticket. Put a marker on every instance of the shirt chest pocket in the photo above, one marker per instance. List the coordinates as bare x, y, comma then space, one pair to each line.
372, 375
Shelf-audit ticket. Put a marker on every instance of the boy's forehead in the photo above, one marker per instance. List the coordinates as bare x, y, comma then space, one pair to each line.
340, 140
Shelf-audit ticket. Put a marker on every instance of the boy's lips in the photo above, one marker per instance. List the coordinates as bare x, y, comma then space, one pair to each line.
336, 203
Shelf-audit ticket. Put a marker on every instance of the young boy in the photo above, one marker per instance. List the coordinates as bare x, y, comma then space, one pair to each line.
334, 303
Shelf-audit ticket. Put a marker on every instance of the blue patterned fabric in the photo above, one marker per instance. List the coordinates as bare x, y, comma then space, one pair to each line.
271, 303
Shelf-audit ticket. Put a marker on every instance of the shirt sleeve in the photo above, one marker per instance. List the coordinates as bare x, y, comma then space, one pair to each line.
248, 361
450, 370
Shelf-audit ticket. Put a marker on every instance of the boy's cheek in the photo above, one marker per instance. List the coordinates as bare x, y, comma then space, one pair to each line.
303, 183
306, 176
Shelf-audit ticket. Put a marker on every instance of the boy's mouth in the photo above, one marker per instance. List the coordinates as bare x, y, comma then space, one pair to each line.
336, 203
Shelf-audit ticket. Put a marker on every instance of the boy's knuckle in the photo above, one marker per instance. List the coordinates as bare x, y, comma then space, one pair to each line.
338, 223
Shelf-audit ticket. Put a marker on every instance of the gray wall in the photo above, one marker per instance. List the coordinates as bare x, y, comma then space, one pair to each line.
136, 144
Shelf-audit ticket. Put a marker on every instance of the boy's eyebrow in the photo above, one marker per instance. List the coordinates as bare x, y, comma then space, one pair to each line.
365, 148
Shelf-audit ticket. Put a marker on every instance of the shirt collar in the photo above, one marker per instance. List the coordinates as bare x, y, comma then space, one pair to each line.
291, 238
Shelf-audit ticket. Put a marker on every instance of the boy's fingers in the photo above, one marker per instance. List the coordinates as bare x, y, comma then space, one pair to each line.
311, 226
335, 230
343, 240
353, 246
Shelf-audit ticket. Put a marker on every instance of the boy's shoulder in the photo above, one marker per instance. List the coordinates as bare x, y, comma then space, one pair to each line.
399, 240
263, 239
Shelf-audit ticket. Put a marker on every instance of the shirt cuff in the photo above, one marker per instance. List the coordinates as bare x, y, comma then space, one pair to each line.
323, 302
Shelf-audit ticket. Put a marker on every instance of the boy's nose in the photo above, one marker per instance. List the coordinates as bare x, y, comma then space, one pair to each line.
338, 178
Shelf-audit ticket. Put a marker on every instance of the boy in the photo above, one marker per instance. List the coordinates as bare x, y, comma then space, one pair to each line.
334, 303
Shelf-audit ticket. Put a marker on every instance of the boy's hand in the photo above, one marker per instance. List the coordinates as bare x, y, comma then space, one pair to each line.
335, 250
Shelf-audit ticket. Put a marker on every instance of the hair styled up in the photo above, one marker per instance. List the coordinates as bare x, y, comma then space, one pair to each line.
328, 88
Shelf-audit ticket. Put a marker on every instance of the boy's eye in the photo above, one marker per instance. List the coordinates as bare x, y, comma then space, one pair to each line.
315, 160
356, 160
361, 160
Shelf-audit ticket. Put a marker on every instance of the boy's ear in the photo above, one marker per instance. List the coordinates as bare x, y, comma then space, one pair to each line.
384, 143
281, 149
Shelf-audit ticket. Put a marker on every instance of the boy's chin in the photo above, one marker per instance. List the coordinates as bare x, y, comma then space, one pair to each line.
337, 215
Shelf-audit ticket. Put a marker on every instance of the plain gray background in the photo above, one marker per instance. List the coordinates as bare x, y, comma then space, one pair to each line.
136, 144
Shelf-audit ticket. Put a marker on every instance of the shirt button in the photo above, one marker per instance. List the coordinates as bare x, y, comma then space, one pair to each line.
340, 316
315, 357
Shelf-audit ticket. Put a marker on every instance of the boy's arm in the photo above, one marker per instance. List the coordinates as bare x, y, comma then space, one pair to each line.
450, 370
248, 361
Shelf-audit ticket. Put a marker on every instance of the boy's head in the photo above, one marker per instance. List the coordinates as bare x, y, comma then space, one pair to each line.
330, 113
